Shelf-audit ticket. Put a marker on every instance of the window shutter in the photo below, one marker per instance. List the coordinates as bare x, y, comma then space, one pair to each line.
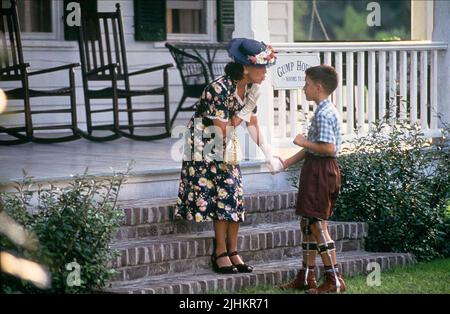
150, 20
71, 32
225, 19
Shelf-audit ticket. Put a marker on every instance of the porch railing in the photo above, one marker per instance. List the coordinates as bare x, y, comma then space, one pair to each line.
376, 80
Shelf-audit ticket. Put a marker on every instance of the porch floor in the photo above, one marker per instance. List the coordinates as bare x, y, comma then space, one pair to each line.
57, 161
60, 160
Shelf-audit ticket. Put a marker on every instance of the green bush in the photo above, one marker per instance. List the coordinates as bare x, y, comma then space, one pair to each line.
399, 183
72, 224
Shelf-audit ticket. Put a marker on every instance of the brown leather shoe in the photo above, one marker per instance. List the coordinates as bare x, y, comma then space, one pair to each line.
299, 281
329, 285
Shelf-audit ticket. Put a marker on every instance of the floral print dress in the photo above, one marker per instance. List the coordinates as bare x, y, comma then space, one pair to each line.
210, 189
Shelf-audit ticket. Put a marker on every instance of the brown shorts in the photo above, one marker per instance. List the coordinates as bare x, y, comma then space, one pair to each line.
320, 181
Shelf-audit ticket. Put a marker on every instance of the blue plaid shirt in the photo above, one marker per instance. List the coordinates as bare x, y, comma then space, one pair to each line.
325, 126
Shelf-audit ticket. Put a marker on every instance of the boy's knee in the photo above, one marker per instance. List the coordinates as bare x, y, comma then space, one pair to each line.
315, 227
318, 227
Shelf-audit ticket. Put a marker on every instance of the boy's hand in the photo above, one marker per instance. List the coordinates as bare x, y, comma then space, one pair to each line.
300, 140
282, 161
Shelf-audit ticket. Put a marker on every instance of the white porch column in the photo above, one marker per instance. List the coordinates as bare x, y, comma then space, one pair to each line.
421, 19
441, 32
251, 20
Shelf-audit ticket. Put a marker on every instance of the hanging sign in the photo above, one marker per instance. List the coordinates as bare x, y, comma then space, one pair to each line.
289, 71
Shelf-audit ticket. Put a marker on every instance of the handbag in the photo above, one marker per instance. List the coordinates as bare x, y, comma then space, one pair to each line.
233, 152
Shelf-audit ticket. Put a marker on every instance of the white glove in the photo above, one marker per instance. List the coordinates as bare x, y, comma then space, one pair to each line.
250, 103
273, 163
267, 150
253, 93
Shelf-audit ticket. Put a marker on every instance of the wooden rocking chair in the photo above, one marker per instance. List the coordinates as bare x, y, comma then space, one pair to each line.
103, 58
13, 68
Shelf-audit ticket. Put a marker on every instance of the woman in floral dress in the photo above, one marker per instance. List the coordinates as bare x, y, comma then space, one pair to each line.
211, 185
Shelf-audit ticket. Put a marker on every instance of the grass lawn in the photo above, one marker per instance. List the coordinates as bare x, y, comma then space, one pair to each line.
425, 277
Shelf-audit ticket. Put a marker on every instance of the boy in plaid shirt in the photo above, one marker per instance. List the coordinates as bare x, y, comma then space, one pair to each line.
320, 182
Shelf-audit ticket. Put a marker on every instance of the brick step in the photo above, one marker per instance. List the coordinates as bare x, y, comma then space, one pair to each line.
267, 273
181, 226
180, 253
161, 210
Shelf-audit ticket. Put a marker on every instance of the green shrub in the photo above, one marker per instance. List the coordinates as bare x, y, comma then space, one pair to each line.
399, 183
72, 224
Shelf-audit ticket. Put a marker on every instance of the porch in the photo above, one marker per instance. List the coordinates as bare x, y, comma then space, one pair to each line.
155, 172
398, 79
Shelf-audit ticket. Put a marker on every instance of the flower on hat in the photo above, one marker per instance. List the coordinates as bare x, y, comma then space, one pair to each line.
264, 57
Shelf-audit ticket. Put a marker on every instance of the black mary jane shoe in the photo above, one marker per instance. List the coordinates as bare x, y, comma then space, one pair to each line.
224, 269
242, 268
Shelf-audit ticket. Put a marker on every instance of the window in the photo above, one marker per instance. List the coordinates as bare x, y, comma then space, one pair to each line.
176, 20
38, 19
35, 16
191, 19
347, 20
186, 17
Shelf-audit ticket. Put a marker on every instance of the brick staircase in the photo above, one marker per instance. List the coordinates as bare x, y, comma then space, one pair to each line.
160, 255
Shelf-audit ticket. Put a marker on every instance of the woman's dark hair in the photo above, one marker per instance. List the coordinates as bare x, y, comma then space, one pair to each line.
234, 70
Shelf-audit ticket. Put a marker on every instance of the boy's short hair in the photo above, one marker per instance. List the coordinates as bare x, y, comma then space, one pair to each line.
325, 75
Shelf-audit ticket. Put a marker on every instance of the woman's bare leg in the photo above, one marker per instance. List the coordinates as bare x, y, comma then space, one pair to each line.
220, 231
232, 237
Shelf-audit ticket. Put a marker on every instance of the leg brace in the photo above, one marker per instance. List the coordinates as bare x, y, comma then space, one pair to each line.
328, 247
307, 245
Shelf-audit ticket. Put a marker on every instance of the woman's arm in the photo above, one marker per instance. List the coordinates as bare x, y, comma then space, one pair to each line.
255, 131
274, 163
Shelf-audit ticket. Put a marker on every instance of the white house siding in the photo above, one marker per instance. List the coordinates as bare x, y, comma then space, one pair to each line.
44, 53
281, 23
